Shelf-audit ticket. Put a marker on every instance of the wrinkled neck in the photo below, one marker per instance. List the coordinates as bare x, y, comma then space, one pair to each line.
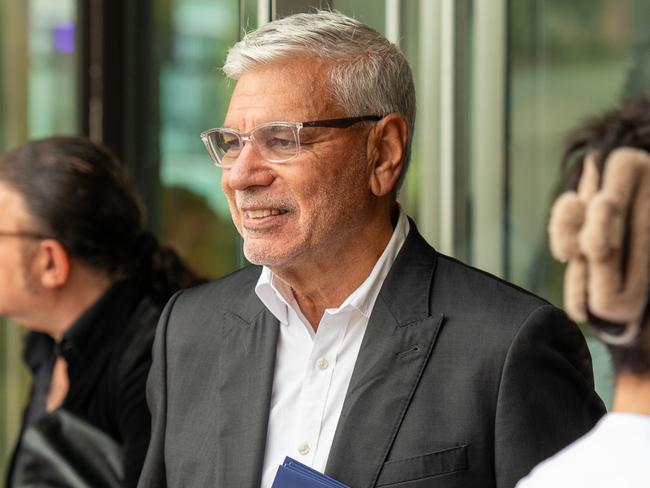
632, 394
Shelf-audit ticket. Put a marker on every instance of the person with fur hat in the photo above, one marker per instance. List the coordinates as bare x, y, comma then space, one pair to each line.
601, 229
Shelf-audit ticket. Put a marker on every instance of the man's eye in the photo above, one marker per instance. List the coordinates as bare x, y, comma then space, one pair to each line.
278, 142
230, 143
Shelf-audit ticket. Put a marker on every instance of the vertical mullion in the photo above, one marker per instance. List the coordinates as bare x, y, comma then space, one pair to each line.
241, 19
488, 135
393, 22
14, 29
13, 34
264, 11
447, 210
428, 125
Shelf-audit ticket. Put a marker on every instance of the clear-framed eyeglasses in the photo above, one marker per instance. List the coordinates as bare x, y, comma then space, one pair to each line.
276, 142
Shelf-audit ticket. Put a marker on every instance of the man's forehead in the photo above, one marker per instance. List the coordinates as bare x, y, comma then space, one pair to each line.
12, 206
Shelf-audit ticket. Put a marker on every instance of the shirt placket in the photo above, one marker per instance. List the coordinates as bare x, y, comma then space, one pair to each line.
316, 384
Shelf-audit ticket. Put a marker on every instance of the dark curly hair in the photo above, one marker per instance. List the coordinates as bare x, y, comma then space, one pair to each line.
625, 126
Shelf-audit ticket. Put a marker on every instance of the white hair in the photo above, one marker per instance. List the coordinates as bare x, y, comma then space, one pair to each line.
369, 75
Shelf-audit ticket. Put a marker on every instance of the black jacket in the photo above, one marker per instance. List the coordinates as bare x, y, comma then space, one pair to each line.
108, 351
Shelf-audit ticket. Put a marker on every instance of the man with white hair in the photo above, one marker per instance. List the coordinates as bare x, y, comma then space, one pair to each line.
352, 346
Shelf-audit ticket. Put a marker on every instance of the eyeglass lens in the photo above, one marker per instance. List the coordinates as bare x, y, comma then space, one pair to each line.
274, 142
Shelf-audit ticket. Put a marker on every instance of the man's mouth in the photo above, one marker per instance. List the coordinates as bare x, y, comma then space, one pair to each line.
263, 212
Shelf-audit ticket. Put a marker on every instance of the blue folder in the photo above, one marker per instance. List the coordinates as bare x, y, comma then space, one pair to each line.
293, 474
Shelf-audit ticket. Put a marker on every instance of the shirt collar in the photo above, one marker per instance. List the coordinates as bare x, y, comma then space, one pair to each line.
277, 296
268, 290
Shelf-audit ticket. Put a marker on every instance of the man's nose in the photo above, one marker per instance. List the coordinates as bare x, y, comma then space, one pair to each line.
249, 169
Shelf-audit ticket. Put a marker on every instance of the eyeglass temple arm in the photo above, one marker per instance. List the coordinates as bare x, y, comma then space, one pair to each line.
341, 123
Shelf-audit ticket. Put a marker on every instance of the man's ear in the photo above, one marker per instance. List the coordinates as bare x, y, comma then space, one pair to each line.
52, 264
386, 147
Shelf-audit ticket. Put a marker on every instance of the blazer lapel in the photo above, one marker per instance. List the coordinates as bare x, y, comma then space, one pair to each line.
399, 339
246, 366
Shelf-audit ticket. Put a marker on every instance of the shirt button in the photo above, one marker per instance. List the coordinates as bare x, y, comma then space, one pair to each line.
303, 448
322, 363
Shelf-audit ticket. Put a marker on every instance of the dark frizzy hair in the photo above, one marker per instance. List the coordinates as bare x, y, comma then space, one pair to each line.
78, 193
625, 126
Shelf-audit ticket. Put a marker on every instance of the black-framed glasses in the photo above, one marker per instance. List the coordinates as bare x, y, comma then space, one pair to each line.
23, 234
276, 142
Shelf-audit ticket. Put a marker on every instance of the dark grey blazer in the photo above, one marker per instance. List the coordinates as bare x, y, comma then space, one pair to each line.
463, 380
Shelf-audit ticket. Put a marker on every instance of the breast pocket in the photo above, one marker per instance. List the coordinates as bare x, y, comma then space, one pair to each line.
429, 465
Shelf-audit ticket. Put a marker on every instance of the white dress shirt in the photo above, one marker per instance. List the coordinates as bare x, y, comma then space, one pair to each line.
614, 454
313, 369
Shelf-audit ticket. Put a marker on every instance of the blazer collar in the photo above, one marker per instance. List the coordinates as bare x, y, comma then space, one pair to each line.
397, 345
407, 288
246, 366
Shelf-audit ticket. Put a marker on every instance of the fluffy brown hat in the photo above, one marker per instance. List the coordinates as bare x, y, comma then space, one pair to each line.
602, 231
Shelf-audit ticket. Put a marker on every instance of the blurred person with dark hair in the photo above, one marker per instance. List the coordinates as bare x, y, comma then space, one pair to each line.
601, 228
79, 270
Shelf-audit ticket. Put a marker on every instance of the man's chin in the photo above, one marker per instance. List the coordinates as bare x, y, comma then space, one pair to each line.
265, 255
263, 259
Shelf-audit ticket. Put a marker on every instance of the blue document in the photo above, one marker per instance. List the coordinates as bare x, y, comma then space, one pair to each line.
293, 474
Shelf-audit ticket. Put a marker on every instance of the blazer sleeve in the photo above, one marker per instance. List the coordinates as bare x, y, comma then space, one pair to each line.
546, 398
154, 471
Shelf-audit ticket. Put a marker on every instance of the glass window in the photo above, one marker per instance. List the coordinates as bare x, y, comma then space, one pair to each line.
52, 68
38, 90
194, 96
373, 14
568, 61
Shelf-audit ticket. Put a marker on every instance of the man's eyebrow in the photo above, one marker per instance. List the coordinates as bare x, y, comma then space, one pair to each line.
228, 126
